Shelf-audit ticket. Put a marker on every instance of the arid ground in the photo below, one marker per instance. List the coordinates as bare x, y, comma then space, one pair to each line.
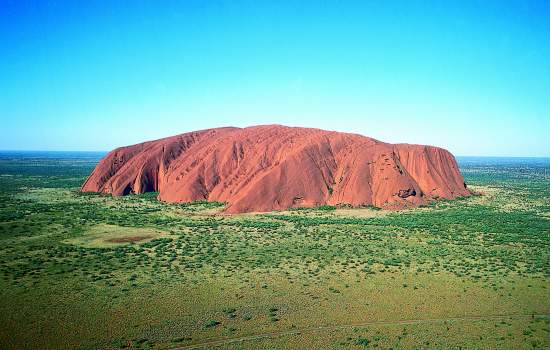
90, 271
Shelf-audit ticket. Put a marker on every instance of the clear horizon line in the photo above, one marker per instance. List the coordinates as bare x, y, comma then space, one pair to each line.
89, 151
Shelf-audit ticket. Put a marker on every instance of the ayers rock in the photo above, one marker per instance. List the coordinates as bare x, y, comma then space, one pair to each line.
273, 167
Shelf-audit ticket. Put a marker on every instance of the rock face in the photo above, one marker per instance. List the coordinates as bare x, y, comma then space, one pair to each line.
273, 167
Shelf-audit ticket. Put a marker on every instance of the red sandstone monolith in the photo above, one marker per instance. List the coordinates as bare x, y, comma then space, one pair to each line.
273, 167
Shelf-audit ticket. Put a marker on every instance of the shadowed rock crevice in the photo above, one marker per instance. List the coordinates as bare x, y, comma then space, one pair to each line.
407, 193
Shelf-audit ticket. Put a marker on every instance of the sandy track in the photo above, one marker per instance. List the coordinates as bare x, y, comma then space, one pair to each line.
297, 331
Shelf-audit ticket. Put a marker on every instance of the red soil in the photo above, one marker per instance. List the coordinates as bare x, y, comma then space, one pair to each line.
273, 167
128, 239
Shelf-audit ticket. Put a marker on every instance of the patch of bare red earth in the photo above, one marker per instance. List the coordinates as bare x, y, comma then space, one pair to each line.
273, 167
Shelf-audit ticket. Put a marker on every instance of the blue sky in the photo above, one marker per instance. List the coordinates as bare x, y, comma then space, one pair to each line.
470, 76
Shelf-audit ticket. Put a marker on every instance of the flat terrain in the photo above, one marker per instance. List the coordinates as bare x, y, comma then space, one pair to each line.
90, 271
